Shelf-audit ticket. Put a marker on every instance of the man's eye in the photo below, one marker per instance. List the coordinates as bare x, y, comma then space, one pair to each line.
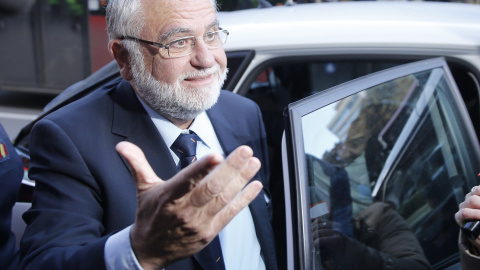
210, 36
179, 43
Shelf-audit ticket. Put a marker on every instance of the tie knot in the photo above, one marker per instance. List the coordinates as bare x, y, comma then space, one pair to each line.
185, 147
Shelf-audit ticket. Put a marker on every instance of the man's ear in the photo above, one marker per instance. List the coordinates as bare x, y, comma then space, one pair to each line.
122, 57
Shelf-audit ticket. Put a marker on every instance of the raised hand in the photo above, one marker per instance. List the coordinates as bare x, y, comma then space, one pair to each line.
179, 217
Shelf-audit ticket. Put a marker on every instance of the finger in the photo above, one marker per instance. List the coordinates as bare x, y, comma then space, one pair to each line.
467, 214
472, 201
239, 167
460, 218
189, 177
144, 176
468, 210
475, 190
232, 189
243, 199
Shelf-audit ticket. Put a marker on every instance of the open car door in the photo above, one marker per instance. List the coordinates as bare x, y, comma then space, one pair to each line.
374, 170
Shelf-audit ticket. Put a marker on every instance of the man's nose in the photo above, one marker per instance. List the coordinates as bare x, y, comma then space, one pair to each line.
202, 56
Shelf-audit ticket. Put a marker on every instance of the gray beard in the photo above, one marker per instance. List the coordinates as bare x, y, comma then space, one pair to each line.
174, 100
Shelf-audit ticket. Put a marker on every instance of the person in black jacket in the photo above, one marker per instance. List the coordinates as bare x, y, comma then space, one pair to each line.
11, 169
469, 210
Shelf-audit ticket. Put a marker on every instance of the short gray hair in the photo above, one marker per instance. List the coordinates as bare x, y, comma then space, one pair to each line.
125, 18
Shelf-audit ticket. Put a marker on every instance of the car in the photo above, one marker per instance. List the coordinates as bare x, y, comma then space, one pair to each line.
384, 94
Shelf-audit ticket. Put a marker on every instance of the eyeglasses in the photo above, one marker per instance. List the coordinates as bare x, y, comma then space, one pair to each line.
184, 46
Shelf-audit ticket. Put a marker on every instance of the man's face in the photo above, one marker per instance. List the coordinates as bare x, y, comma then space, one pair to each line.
185, 86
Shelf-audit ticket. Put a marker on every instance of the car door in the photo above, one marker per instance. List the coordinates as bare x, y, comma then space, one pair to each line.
374, 170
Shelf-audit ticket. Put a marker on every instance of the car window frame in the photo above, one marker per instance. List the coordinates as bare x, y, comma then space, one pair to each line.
293, 152
237, 68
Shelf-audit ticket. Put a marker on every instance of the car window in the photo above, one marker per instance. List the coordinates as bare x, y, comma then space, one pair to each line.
237, 63
275, 84
280, 81
299, 78
384, 168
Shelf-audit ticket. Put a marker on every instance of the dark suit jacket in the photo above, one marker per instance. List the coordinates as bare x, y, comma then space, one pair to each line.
11, 173
84, 189
467, 259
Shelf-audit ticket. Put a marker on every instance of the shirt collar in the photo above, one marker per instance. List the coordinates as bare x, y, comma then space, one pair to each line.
170, 132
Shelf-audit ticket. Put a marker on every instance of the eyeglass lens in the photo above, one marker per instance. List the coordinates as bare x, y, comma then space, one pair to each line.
184, 46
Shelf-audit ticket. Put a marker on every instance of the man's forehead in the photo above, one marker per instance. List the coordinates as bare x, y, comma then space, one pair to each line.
167, 33
169, 17
182, 8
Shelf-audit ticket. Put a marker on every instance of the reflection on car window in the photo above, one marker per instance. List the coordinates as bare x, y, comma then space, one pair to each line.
277, 85
384, 169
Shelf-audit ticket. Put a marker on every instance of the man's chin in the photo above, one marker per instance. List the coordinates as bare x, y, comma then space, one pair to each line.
187, 112
182, 115
178, 102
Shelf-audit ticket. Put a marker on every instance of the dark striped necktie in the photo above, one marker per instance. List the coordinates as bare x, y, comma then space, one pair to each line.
185, 147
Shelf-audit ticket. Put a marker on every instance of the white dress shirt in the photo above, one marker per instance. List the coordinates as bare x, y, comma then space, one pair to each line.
240, 247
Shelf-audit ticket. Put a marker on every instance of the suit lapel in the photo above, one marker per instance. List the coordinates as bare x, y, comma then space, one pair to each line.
230, 137
132, 123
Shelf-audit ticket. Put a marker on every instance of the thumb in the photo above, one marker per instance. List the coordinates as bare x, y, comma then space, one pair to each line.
144, 176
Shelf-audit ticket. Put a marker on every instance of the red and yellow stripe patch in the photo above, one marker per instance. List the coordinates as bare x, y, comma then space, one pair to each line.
3, 151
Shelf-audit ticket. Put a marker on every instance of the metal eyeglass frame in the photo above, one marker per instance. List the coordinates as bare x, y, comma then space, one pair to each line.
167, 46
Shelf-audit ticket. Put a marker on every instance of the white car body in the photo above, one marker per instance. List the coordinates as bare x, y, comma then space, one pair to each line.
379, 28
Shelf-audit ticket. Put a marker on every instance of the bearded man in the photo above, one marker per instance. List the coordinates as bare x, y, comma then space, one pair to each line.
98, 204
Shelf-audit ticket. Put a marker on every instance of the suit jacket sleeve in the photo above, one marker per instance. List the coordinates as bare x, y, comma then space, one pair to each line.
468, 260
11, 172
58, 237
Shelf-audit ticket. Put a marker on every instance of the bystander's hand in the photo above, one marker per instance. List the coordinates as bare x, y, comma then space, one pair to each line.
470, 210
179, 217
330, 244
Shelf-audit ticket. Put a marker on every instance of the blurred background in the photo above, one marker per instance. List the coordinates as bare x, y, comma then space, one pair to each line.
48, 45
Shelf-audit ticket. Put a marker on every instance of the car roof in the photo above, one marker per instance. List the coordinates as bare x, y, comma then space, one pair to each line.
451, 26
